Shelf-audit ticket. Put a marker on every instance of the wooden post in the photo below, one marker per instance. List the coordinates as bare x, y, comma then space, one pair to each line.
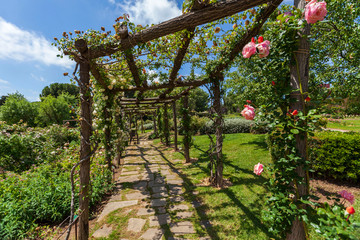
119, 148
299, 74
136, 130
85, 147
166, 125
186, 128
154, 123
142, 123
175, 126
218, 132
107, 132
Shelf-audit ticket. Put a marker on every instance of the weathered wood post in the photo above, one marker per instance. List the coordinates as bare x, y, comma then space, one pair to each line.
136, 130
175, 125
107, 132
154, 123
186, 128
219, 130
85, 132
142, 123
166, 125
299, 76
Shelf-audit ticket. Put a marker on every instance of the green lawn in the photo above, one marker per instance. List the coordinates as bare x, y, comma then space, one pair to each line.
235, 212
352, 124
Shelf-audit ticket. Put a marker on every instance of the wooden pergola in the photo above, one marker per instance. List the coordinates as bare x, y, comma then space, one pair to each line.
86, 56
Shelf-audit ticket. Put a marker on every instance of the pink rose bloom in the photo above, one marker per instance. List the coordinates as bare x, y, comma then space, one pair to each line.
263, 48
315, 11
258, 169
348, 196
248, 112
249, 50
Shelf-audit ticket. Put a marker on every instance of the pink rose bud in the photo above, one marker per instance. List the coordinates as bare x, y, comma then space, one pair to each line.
315, 11
248, 112
249, 50
248, 101
263, 49
258, 169
260, 39
350, 210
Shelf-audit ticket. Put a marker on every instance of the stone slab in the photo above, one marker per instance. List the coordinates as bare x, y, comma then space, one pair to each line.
158, 202
182, 215
140, 185
114, 198
158, 189
175, 181
112, 206
182, 228
180, 207
152, 234
123, 173
102, 232
137, 195
177, 199
160, 195
145, 211
136, 224
158, 220
131, 178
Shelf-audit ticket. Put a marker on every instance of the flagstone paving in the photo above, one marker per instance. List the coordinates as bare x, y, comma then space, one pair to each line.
150, 201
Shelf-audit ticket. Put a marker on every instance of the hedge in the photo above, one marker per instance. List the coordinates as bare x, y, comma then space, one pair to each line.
336, 155
234, 125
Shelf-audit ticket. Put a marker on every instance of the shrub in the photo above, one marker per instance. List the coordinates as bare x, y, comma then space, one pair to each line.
234, 125
197, 123
148, 126
336, 155
17, 109
43, 194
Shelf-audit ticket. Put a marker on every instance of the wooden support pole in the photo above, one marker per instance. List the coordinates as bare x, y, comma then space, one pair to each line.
142, 123
107, 133
160, 128
166, 125
299, 78
136, 131
186, 128
154, 123
85, 147
175, 126
218, 132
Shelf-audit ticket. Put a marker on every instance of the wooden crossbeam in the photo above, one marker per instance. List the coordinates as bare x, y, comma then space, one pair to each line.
145, 103
187, 36
195, 18
163, 86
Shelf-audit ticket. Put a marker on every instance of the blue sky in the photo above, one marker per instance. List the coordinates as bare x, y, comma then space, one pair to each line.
28, 62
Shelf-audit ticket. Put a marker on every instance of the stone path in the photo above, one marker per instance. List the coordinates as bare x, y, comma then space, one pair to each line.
150, 202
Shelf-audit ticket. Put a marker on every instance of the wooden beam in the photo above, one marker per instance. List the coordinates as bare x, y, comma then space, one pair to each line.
191, 19
187, 36
163, 86
142, 103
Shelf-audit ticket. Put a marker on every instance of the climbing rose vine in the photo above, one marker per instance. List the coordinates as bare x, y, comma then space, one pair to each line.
262, 48
315, 11
249, 49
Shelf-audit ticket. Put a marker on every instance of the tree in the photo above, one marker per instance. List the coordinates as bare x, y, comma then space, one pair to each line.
3, 99
199, 100
16, 108
55, 110
56, 89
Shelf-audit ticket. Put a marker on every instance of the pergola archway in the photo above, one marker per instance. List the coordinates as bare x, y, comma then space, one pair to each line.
90, 57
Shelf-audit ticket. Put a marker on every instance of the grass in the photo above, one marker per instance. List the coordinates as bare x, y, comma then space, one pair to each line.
351, 124
234, 212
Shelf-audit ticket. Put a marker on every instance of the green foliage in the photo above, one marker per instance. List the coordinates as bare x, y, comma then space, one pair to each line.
198, 100
148, 126
42, 194
57, 89
17, 109
198, 123
54, 110
336, 155
21, 147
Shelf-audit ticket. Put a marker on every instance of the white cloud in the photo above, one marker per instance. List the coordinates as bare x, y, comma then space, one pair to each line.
21, 45
41, 79
149, 11
2, 81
